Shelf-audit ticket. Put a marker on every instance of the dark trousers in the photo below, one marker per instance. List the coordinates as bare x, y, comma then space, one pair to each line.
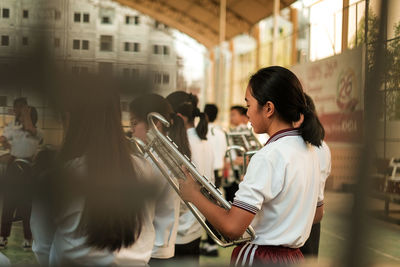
311, 246
230, 191
16, 199
188, 253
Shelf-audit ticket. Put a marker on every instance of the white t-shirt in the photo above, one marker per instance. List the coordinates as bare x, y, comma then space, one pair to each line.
281, 188
324, 155
166, 217
217, 138
23, 144
66, 248
189, 228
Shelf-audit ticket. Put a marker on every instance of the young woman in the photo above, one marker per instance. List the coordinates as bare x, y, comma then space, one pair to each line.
167, 205
311, 246
23, 139
279, 192
101, 216
189, 230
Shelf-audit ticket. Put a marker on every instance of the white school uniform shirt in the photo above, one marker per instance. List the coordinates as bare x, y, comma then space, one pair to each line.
23, 144
189, 228
324, 156
65, 248
166, 216
4, 261
281, 188
217, 138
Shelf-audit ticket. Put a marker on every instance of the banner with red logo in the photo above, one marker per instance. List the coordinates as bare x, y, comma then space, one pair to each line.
336, 86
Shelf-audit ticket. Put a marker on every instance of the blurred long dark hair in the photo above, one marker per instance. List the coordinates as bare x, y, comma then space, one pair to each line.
111, 218
141, 106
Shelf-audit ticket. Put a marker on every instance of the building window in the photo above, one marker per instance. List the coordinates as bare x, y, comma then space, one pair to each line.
76, 44
157, 24
56, 42
86, 17
77, 17
105, 20
127, 19
157, 78
166, 50
105, 68
137, 20
57, 14
75, 70
25, 14
136, 47
165, 78
85, 45
84, 70
6, 13
24, 40
127, 46
106, 43
5, 40
155, 49
135, 73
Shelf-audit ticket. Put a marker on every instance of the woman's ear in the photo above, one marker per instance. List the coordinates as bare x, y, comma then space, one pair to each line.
269, 109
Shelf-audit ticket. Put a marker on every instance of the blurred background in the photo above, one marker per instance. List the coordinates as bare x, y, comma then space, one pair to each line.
210, 48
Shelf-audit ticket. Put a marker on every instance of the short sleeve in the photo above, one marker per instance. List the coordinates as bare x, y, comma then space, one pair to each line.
324, 155
261, 183
8, 132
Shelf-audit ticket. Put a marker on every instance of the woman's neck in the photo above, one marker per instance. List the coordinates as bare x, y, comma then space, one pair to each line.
278, 125
189, 125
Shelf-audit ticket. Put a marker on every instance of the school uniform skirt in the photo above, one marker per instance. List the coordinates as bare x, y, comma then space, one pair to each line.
258, 255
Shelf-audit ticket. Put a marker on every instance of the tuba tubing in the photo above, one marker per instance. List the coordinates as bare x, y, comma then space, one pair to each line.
155, 135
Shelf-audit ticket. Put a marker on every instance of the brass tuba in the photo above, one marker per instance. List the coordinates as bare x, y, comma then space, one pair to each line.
166, 156
243, 143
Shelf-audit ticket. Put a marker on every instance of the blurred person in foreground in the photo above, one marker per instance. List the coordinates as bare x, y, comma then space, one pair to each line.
100, 209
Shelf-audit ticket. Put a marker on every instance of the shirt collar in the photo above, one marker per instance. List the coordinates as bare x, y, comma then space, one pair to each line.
283, 133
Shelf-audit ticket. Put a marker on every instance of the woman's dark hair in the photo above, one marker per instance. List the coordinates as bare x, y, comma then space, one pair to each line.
311, 105
145, 104
242, 110
112, 216
186, 105
34, 116
280, 86
211, 111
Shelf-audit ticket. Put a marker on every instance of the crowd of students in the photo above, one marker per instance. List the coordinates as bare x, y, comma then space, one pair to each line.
103, 203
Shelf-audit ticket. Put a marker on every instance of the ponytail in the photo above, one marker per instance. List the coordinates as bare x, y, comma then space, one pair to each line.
186, 105
311, 129
178, 134
202, 126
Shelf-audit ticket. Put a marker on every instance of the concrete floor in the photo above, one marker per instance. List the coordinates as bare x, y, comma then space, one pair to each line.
382, 247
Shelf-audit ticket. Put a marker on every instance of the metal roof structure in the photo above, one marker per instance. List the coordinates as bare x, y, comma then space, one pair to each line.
200, 18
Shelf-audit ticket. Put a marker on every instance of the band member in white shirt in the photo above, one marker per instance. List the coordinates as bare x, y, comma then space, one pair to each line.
167, 201
279, 192
239, 122
217, 138
311, 247
101, 213
23, 139
189, 229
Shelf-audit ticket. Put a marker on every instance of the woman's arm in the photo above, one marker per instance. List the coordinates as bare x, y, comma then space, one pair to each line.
232, 223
